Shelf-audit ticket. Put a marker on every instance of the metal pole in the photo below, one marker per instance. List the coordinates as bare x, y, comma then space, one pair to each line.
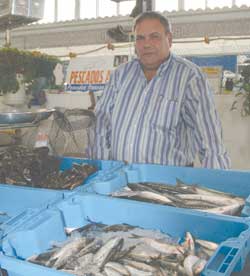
77, 9
118, 8
97, 8
206, 4
153, 5
56, 11
233, 3
180, 5
7, 38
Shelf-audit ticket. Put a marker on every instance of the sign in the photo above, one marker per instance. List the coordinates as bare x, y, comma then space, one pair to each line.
91, 73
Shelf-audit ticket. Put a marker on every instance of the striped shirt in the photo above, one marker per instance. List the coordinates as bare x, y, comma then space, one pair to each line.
168, 120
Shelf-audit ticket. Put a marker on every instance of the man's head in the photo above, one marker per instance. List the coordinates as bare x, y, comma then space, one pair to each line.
153, 39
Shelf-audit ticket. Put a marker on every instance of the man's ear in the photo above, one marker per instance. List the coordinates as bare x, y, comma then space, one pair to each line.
170, 38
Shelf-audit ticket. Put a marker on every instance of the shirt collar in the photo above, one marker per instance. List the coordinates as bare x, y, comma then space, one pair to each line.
163, 67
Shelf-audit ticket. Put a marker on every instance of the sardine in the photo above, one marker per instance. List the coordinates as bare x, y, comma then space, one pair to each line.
137, 272
164, 247
144, 195
189, 244
218, 200
139, 265
117, 267
207, 244
107, 251
65, 252
189, 264
199, 266
226, 210
109, 271
118, 227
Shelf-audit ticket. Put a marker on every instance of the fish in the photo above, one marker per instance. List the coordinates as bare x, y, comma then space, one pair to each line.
144, 253
60, 257
107, 251
199, 266
205, 191
226, 210
23, 166
128, 250
42, 258
139, 265
218, 200
137, 272
189, 263
144, 195
116, 267
112, 272
90, 248
207, 244
118, 227
189, 243
163, 247
182, 195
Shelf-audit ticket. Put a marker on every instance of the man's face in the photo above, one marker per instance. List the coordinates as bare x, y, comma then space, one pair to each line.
152, 43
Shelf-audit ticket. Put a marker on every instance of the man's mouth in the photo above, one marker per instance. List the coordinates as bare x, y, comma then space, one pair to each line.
148, 54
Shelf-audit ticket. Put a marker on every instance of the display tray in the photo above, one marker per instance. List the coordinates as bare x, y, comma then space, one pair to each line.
25, 118
34, 231
234, 182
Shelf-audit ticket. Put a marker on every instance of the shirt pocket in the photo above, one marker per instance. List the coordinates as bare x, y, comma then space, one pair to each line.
165, 115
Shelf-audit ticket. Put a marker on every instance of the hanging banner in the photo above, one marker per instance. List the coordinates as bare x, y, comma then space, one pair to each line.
91, 73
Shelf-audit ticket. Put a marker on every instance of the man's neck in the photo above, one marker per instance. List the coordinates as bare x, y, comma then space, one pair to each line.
149, 74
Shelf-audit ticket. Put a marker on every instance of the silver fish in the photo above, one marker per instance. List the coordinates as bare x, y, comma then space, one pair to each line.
136, 272
117, 267
215, 199
139, 265
60, 257
107, 251
226, 210
207, 244
144, 195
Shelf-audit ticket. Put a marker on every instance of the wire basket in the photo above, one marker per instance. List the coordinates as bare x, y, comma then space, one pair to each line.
70, 132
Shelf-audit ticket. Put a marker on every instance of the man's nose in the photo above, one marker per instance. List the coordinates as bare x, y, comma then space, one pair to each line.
147, 42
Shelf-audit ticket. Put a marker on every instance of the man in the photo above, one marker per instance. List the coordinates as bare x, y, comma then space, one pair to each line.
159, 107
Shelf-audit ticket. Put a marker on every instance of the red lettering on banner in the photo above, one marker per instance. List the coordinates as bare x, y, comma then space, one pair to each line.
81, 74
89, 77
101, 76
107, 75
73, 76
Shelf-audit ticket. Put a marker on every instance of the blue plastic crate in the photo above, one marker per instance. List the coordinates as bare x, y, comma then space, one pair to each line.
228, 181
105, 167
16, 199
38, 228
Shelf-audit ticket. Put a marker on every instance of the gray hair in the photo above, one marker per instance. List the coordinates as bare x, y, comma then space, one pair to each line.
153, 15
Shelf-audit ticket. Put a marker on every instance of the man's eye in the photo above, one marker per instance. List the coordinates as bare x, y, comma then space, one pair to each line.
155, 36
139, 38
